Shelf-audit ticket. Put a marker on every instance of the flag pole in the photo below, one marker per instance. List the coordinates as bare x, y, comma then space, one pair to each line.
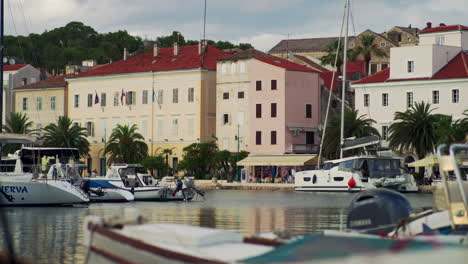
152, 115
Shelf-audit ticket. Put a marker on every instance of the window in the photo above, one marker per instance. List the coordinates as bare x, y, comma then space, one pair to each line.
130, 98
233, 68
308, 111
175, 127
273, 137
258, 110
38, 103
25, 104
383, 44
160, 128
175, 96
440, 40
258, 137
90, 100
384, 132
225, 119
258, 85
273, 110
160, 96
38, 128
103, 99
240, 118
384, 66
242, 67
373, 68
225, 96
409, 99
33, 79
190, 126
191, 95
240, 95
385, 99
435, 97
366, 100
116, 99
273, 84
410, 66
77, 100
455, 96
223, 68
24, 81
144, 99
53, 101
90, 129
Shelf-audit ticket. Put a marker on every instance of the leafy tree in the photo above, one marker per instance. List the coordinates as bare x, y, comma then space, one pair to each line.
152, 163
17, 123
355, 125
368, 48
126, 145
64, 134
167, 152
450, 131
329, 58
199, 159
414, 130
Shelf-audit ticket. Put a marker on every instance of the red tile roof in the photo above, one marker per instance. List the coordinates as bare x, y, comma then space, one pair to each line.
444, 28
188, 58
455, 68
52, 82
327, 79
14, 67
355, 66
311, 63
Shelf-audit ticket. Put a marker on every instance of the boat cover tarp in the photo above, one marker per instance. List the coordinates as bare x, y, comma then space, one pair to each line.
279, 160
6, 138
360, 142
100, 184
49, 152
317, 247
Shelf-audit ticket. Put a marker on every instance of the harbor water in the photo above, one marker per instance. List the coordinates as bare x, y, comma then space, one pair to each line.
54, 234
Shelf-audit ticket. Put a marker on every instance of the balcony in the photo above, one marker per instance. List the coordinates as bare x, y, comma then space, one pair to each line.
303, 148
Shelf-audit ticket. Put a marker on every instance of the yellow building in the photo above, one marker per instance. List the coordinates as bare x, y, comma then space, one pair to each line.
43, 102
169, 93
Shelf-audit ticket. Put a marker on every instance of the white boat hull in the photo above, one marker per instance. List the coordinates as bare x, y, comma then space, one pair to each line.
40, 193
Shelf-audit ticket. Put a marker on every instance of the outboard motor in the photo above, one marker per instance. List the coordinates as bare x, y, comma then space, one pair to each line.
85, 186
377, 211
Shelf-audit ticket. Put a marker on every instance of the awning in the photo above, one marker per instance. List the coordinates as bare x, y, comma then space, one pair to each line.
279, 160
426, 162
6, 138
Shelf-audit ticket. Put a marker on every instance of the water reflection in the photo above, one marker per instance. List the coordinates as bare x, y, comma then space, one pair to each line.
54, 235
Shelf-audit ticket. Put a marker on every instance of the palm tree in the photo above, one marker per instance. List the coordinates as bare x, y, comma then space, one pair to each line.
16, 123
368, 48
126, 145
414, 130
64, 134
167, 152
450, 131
355, 125
329, 58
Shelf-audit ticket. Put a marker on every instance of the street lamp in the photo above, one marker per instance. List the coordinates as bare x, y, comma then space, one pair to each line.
240, 119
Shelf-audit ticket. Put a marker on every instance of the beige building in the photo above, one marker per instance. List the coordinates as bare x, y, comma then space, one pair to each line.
169, 93
43, 102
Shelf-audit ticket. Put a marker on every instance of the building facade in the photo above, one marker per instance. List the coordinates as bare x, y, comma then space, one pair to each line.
169, 93
435, 71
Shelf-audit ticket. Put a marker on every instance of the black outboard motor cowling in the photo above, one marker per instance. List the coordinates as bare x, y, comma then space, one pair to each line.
377, 211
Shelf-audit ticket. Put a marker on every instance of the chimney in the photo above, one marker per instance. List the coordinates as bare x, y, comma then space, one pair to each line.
428, 25
155, 50
201, 47
176, 49
125, 54
442, 25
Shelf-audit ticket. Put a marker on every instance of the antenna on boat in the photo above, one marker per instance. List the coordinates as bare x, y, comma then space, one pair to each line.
343, 87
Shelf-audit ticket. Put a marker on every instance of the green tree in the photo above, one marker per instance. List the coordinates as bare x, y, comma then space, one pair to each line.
199, 159
157, 163
167, 152
414, 130
450, 131
329, 58
355, 125
17, 123
368, 48
126, 145
64, 134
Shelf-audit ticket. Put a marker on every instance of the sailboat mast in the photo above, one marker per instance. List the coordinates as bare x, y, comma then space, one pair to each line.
2, 22
343, 87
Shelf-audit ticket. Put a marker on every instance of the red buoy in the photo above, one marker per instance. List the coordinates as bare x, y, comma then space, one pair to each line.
351, 183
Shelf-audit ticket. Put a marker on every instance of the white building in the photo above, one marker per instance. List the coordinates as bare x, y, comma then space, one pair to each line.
435, 71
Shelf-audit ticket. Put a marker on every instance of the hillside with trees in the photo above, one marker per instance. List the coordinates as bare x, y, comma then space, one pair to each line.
75, 42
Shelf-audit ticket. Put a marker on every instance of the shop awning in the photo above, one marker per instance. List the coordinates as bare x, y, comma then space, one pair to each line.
279, 160
426, 162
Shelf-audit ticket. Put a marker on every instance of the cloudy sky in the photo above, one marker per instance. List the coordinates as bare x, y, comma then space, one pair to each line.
260, 22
